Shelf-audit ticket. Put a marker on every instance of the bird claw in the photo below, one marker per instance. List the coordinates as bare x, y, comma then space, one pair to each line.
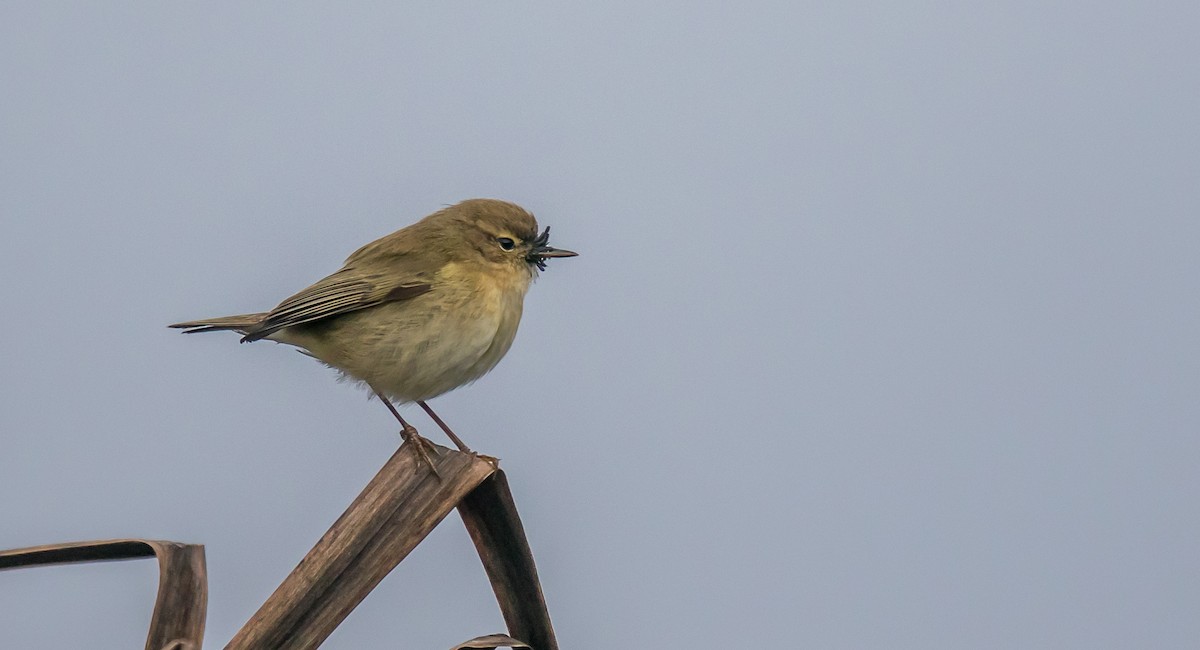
421, 447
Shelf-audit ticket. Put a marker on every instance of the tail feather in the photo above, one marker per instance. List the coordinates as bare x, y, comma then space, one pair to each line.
241, 324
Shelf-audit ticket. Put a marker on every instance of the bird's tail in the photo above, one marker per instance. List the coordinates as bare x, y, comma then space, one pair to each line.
240, 324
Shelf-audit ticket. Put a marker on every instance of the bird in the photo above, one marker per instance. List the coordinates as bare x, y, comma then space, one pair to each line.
417, 313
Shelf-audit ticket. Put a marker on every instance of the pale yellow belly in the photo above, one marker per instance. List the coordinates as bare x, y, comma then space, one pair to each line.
418, 349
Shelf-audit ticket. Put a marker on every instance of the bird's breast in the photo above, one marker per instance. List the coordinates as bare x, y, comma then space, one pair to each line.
419, 348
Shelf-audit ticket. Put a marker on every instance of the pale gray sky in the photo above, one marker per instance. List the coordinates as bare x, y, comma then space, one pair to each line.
883, 335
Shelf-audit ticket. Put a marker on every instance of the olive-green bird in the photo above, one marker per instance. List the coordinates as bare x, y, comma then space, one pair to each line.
417, 313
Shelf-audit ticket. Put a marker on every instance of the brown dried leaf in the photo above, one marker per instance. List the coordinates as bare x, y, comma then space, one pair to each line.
491, 641
182, 582
491, 518
397, 509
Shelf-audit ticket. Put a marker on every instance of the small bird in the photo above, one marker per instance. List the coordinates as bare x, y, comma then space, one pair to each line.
417, 313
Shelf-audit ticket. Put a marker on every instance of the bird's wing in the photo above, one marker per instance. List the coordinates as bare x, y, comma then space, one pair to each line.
348, 290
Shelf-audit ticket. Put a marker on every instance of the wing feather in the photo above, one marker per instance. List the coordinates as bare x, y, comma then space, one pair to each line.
348, 290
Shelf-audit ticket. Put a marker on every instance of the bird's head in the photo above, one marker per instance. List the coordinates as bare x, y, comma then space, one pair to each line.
501, 233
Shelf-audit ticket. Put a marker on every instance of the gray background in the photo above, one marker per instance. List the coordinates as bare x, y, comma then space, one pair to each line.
884, 332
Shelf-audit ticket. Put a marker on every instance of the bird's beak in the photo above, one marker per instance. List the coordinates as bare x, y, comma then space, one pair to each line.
542, 251
546, 251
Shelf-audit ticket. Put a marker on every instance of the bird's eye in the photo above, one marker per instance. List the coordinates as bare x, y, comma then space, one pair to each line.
506, 243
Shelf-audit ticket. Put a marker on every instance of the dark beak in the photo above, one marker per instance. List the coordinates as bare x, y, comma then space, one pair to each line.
545, 251
542, 251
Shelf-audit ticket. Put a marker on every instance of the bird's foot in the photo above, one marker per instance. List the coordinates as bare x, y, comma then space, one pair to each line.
421, 447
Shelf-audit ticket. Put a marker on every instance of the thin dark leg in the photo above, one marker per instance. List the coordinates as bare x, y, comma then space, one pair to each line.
461, 446
410, 435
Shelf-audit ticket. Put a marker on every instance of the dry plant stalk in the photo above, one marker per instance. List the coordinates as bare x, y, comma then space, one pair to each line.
397, 509
179, 609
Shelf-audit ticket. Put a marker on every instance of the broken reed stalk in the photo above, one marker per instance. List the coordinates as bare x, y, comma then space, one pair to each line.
490, 515
179, 609
397, 509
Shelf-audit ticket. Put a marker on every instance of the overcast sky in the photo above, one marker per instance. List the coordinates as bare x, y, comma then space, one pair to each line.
884, 332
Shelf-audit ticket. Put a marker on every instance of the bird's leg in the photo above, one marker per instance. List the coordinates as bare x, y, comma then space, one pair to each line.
457, 441
410, 435
495, 462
